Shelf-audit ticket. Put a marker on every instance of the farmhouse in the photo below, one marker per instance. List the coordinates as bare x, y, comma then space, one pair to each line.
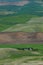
31, 49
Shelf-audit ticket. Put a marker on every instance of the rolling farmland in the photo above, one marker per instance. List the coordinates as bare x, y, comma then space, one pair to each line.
22, 23
21, 32
12, 56
9, 21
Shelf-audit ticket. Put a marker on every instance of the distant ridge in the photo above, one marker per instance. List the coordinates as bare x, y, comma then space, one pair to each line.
20, 3
12, 0
32, 7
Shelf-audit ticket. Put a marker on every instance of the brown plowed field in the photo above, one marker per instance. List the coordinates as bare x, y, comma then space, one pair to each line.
21, 37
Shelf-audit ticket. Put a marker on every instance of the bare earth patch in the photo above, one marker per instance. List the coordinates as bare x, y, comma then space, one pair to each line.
21, 37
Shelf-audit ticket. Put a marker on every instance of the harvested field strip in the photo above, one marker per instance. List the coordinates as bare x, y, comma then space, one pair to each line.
21, 37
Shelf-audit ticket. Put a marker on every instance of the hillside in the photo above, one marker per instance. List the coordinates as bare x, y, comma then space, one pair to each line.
32, 7
14, 14
12, 56
23, 23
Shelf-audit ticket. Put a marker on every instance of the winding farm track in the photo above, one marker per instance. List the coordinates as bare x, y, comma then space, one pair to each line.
20, 37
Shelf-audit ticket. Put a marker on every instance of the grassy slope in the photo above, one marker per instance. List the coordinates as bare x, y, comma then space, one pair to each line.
25, 23
7, 21
2, 27
35, 24
8, 54
14, 19
11, 57
38, 46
